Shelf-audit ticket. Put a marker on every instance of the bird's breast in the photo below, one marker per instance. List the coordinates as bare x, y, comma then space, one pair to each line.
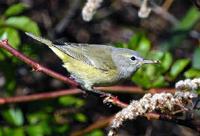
88, 74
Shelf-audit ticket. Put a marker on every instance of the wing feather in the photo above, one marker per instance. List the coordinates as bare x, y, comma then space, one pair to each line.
98, 56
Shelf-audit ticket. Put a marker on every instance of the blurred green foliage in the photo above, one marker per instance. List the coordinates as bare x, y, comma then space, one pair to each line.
39, 120
95, 133
182, 29
11, 24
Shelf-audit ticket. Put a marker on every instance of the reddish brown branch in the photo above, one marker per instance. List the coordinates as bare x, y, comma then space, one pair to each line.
36, 66
122, 89
98, 124
51, 95
55, 94
134, 89
40, 96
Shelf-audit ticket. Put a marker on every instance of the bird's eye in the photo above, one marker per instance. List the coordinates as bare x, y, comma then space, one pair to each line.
133, 58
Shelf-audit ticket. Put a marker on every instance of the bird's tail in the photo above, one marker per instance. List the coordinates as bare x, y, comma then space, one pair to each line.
40, 39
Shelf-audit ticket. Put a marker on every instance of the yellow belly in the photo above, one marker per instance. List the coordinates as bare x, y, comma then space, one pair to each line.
89, 74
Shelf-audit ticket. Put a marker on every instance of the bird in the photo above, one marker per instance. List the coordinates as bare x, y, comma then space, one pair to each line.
93, 65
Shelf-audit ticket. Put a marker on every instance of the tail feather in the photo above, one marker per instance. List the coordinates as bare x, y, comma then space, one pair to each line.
40, 39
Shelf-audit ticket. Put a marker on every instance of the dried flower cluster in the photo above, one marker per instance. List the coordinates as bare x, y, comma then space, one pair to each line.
163, 102
188, 84
90, 9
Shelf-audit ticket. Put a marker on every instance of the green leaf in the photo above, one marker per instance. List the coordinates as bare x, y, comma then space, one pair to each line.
155, 55
8, 131
80, 117
36, 130
178, 67
34, 118
1, 132
2, 54
134, 41
10, 84
12, 35
189, 20
195, 59
9, 74
166, 61
16, 9
159, 82
192, 73
18, 132
96, 133
61, 128
121, 45
13, 116
143, 46
40, 129
140, 78
23, 23
71, 101
183, 27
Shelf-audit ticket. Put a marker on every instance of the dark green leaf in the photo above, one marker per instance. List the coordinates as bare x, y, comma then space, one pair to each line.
9, 73
159, 81
134, 41
61, 128
36, 130
155, 55
1, 131
39, 129
183, 27
121, 45
2, 54
13, 116
192, 73
96, 133
196, 59
189, 20
141, 79
34, 118
70, 101
178, 67
80, 117
9, 131
166, 61
23, 23
12, 35
143, 46
16, 9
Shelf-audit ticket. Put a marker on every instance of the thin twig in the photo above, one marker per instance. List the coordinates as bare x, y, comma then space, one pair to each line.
98, 124
40, 96
58, 93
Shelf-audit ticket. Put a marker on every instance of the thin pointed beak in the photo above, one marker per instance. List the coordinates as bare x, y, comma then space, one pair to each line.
150, 61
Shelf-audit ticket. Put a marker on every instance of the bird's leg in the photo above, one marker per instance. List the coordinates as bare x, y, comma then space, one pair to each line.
91, 89
102, 94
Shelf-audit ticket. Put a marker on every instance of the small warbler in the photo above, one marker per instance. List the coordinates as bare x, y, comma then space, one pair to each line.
96, 65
